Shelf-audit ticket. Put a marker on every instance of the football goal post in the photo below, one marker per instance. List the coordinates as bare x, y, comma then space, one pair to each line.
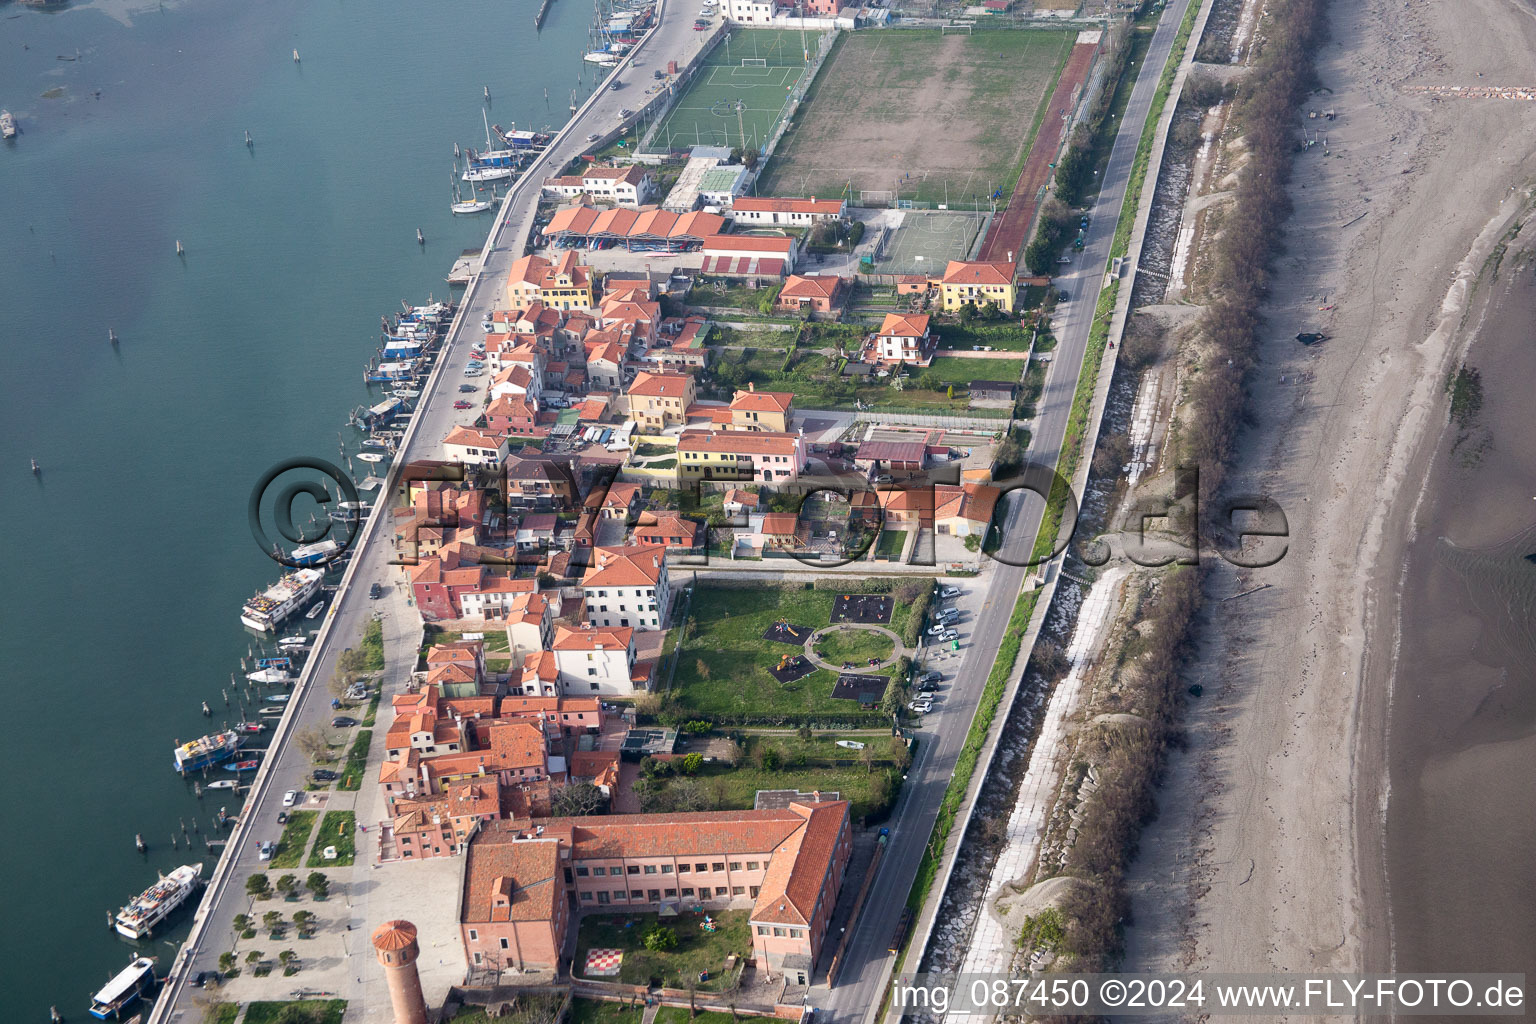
754, 62
955, 30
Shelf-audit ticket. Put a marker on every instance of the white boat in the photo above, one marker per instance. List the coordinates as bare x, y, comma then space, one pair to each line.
206, 751
138, 919
270, 676
279, 698
221, 784
487, 174
292, 642
471, 205
371, 457
602, 58
317, 553
269, 609
314, 613
7, 125
132, 982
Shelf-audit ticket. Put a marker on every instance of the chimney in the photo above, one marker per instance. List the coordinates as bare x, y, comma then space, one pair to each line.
1010, 255
751, 385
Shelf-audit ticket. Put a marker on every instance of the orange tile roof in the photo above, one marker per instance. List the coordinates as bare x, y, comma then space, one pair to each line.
966, 272
780, 524
748, 243
799, 866
738, 442
661, 385
634, 566
746, 499
510, 879
469, 436
904, 325
766, 204
589, 638
753, 400
810, 286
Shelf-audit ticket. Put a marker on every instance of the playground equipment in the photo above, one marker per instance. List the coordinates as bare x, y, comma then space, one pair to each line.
784, 623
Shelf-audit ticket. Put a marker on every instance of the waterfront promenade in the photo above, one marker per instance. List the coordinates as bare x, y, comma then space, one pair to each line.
338, 960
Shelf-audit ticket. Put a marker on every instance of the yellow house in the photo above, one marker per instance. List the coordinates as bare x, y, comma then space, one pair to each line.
563, 284
978, 283
660, 400
761, 410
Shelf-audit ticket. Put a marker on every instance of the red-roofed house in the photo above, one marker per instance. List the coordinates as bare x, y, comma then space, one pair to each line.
596, 660
671, 531
905, 338
815, 293
965, 510
738, 502
626, 186
475, 447
660, 400
762, 410
761, 456
758, 257
627, 586
974, 282
561, 284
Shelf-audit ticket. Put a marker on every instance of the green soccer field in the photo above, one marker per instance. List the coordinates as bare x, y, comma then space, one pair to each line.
706, 114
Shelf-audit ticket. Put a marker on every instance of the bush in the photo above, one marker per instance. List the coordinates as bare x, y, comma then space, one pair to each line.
855, 233
660, 938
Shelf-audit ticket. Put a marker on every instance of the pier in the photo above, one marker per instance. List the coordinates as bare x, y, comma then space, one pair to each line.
538, 19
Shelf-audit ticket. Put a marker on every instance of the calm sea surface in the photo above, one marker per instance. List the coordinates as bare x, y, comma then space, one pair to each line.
126, 563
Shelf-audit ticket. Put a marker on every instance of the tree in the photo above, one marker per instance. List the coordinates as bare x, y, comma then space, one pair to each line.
967, 312
303, 920
253, 957
258, 886
901, 755
660, 938
688, 795
240, 923
287, 885
867, 755
226, 963
287, 957
271, 919
578, 800
692, 763
318, 885
313, 743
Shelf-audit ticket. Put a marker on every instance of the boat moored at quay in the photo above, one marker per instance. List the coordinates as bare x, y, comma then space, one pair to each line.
206, 751
282, 600
126, 988
138, 919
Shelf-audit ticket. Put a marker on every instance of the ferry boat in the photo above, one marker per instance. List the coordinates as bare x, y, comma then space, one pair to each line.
269, 609
314, 554
206, 751
7, 125
132, 982
138, 919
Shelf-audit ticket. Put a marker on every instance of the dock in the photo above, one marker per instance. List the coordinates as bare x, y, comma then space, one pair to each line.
538, 19
464, 267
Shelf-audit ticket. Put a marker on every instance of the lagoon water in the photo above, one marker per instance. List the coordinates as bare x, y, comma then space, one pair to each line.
126, 562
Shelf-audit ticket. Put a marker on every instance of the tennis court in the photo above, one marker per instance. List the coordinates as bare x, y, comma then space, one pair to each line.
740, 91
927, 240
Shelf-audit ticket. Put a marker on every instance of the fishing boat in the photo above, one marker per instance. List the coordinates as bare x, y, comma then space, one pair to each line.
371, 457
269, 676
515, 139
351, 511
404, 369
404, 393
252, 727
242, 766
138, 919
317, 553
314, 613
269, 609
7, 125
131, 983
282, 663
221, 784
206, 751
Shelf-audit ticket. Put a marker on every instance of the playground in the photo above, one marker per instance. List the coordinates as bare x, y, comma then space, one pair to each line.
926, 240
924, 115
741, 89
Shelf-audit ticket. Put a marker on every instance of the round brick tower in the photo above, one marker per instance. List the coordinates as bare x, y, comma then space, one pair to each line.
394, 943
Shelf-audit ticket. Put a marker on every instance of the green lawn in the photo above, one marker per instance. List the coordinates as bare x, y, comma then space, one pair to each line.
594, 1011
696, 951
295, 837
867, 792
1007, 336
723, 293
339, 829
954, 370
817, 384
855, 645
736, 337
222, 1013
679, 1015
373, 646
357, 762
325, 1011
891, 544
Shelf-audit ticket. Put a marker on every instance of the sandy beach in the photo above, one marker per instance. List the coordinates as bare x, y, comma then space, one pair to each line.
1268, 853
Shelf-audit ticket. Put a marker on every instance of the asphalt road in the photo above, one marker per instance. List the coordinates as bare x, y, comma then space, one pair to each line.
867, 962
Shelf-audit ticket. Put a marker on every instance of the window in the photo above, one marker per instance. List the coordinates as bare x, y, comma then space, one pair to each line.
718, 866
478, 958
737, 890
591, 671
672, 893
582, 872
687, 892
586, 897
797, 933
735, 865
762, 929
666, 869
720, 891
650, 869
602, 897
752, 891
655, 895
503, 943
683, 869
634, 869
751, 865
618, 895
474, 936
637, 894
779, 932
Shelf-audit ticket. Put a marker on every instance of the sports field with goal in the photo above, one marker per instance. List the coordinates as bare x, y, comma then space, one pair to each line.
759, 69
921, 114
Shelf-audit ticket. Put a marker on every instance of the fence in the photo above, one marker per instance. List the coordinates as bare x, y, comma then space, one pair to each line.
824, 44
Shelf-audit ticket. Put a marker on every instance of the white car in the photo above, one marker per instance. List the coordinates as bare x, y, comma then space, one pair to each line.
949, 592
938, 629
292, 798
922, 707
265, 850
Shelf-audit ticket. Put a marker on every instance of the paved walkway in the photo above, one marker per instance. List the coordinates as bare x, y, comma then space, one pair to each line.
825, 631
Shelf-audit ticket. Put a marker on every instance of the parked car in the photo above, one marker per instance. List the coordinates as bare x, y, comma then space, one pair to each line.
202, 978
625, 112
1063, 295
927, 687
922, 705
282, 817
265, 850
465, 389
461, 404
615, 86
375, 591
343, 722
933, 675
292, 797
949, 635
592, 138
324, 775
938, 629
949, 592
